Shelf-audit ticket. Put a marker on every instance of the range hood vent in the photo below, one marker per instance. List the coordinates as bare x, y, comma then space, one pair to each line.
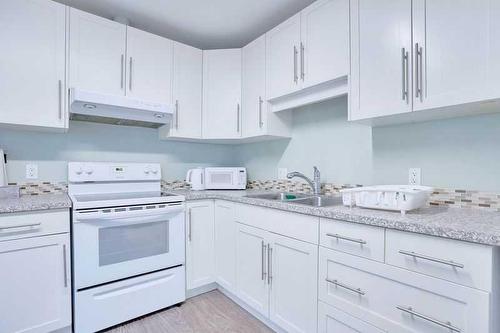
117, 110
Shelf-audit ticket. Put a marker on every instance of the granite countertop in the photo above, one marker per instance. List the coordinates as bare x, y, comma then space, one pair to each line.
471, 225
26, 203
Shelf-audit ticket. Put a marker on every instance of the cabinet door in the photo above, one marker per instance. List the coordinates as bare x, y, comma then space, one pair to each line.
35, 288
381, 53
187, 87
200, 253
294, 279
332, 320
458, 50
254, 104
251, 268
149, 66
325, 41
32, 63
97, 53
225, 245
222, 94
282, 52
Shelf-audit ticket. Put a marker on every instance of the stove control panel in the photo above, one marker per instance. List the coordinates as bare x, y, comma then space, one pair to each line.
110, 172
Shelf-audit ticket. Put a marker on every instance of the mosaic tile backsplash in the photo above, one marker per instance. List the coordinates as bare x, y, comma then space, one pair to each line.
441, 197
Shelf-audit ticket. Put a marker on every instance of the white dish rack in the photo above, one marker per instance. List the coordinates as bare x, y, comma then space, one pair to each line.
401, 198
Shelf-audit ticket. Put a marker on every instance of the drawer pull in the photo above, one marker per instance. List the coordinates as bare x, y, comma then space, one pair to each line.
353, 289
13, 227
412, 312
349, 239
440, 261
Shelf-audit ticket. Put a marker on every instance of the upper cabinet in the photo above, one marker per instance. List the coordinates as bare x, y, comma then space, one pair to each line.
33, 64
97, 53
222, 94
308, 56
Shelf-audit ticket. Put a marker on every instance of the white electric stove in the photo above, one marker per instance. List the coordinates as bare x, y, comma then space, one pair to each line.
128, 243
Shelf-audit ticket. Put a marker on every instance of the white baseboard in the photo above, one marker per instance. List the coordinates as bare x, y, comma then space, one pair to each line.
201, 290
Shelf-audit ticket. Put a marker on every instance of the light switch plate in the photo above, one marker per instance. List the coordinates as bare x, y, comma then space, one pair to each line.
282, 172
415, 176
32, 171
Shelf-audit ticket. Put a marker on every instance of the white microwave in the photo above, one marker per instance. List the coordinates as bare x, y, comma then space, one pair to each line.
225, 178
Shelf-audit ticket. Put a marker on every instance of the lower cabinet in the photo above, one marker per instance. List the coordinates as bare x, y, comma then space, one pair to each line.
333, 320
200, 237
277, 276
225, 245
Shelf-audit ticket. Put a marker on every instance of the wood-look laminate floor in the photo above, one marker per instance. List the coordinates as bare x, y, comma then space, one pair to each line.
208, 313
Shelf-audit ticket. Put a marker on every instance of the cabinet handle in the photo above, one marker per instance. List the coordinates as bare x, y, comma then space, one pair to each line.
263, 258
302, 61
345, 286
295, 76
405, 76
176, 114
130, 75
238, 117
349, 239
10, 228
260, 112
444, 324
189, 224
269, 264
65, 266
122, 70
437, 260
59, 97
419, 72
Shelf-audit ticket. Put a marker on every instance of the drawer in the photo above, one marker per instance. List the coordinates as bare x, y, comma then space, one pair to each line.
104, 306
460, 262
31, 224
332, 320
360, 240
294, 225
399, 300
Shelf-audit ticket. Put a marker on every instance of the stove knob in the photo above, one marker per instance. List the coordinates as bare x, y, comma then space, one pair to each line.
79, 171
147, 171
154, 171
89, 171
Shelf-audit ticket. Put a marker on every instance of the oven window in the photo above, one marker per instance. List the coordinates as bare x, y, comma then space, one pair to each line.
124, 243
221, 178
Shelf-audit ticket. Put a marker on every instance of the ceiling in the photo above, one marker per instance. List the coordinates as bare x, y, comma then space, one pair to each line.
207, 24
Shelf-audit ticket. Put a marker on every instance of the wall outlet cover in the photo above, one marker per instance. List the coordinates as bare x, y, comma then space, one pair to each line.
415, 176
282, 172
32, 171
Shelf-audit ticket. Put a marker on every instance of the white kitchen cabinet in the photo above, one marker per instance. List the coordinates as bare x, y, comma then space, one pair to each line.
33, 64
294, 281
332, 320
324, 42
149, 66
282, 52
222, 94
97, 59
35, 284
225, 246
381, 50
187, 92
200, 250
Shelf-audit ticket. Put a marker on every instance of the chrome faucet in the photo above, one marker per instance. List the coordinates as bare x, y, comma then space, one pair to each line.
315, 184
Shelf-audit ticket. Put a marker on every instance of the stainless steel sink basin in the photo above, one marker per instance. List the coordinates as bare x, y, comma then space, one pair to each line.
298, 198
281, 196
319, 201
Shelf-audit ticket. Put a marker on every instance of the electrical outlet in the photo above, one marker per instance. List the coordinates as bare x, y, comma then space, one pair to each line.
32, 171
414, 176
282, 172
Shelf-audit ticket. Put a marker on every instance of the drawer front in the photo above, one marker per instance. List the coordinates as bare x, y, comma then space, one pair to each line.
398, 300
298, 226
460, 262
332, 320
360, 240
30, 224
101, 307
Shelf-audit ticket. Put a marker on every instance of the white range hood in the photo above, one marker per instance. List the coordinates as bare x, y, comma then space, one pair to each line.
117, 110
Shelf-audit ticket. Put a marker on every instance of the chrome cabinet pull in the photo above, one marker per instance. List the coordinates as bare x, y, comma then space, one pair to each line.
302, 62
345, 286
59, 97
65, 267
444, 324
10, 228
263, 258
176, 114
437, 260
260, 112
349, 239
269, 264
130, 75
122, 70
189, 224
405, 74
295, 75
420, 70
238, 117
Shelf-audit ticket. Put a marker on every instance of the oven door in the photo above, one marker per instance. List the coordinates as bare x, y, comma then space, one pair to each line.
110, 245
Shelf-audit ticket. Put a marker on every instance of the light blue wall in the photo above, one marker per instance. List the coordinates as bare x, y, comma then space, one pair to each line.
453, 153
98, 142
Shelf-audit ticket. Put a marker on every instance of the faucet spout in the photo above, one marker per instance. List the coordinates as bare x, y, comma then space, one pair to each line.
315, 184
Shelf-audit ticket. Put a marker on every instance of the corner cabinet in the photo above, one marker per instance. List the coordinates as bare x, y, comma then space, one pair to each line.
222, 94
225, 245
33, 64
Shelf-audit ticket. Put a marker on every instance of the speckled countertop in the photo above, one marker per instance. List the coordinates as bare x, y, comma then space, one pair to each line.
27, 203
472, 225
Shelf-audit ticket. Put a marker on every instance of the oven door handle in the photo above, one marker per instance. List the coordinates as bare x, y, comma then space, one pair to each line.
110, 222
99, 215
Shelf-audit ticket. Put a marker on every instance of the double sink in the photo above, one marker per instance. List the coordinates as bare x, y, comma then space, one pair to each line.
298, 198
